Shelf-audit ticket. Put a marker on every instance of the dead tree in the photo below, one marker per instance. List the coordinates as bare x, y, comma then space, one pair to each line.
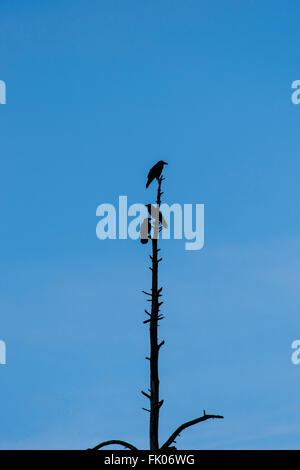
154, 316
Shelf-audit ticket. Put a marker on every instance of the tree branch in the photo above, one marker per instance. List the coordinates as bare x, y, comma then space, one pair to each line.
114, 441
147, 293
186, 425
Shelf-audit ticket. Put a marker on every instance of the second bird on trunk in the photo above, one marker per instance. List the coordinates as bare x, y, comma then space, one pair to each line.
156, 214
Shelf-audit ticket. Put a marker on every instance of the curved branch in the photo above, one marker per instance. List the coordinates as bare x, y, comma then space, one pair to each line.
186, 425
114, 441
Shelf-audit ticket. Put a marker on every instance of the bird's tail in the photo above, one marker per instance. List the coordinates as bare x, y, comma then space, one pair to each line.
163, 221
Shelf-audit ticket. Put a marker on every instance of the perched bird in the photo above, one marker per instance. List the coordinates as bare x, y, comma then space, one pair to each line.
155, 172
145, 230
155, 213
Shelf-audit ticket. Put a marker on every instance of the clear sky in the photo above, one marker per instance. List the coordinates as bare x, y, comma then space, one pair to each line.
97, 92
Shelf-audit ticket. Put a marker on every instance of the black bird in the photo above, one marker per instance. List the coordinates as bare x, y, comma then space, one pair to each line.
154, 211
155, 172
145, 230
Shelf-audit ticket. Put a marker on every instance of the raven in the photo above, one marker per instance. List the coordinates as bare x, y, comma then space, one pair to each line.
155, 172
145, 230
153, 211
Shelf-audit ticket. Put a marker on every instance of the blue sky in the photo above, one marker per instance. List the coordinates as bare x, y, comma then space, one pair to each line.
97, 92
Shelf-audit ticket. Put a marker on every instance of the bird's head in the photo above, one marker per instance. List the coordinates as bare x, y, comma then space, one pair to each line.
163, 163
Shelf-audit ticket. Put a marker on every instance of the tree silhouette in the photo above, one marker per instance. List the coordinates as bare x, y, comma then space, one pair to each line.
154, 317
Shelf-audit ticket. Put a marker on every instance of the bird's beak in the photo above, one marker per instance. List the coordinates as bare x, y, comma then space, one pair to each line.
165, 163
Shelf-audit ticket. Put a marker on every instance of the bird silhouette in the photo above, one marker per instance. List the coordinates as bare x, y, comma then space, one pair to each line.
145, 230
156, 214
155, 172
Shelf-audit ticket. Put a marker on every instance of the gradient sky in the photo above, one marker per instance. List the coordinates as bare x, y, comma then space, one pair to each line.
97, 92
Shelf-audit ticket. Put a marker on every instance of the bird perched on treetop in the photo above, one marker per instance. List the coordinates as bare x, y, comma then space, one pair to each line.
155, 172
155, 212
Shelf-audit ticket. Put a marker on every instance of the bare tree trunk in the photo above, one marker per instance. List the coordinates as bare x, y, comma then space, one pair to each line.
155, 404
154, 379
